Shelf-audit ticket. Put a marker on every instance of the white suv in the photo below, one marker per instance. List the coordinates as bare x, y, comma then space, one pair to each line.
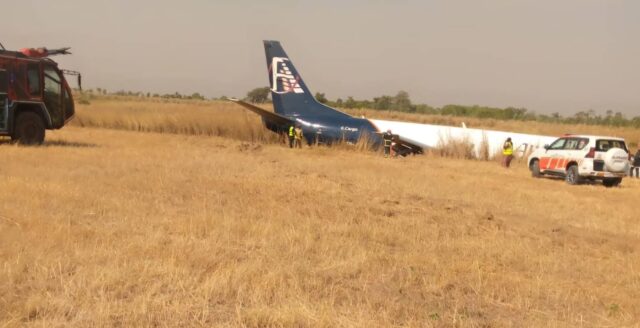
580, 157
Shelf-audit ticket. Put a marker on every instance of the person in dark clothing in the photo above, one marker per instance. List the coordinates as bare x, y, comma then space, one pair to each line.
387, 137
635, 164
297, 134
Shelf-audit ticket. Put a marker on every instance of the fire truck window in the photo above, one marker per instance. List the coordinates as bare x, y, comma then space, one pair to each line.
53, 95
52, 85
68, 104
4, 81
3, 98
33, 79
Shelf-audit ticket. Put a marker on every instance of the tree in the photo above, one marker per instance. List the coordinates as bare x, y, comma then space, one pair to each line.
321, 98
402, 102
383, 102
350, 103
258, 95
197, 96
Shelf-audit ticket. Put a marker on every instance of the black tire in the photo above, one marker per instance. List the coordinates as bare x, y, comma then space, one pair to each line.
535, 169
28, 129
611, 182
573, 177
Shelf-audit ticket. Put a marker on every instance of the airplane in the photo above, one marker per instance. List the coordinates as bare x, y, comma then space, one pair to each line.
294, 105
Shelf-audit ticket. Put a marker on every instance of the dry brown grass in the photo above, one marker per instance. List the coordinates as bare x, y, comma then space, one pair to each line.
119, 228
208, 118
223, 118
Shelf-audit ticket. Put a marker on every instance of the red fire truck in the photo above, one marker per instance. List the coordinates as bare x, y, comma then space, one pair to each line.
34, 94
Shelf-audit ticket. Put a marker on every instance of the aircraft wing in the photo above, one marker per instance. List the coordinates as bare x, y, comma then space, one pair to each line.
266, 115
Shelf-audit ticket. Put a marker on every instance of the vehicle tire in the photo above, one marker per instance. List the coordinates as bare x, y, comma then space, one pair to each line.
573, 176
535, 169
611, 182
28, 129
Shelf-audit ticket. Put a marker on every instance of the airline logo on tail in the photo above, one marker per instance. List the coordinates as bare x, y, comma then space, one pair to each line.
283, 81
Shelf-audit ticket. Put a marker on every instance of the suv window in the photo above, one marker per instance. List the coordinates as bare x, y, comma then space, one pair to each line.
576, 143
558, 144
604, 145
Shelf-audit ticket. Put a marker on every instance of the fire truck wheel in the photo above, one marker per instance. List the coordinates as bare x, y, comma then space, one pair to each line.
29, 129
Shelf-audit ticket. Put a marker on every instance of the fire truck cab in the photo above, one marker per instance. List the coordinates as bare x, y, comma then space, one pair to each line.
34, 96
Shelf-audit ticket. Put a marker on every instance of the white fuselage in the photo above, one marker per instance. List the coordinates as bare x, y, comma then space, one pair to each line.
432, 136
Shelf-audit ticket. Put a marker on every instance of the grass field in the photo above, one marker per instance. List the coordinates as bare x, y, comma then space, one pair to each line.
223, 118
192, 224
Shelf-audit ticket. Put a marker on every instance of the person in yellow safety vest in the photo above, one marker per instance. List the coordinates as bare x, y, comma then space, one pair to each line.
507, 152
291, 136
298, 137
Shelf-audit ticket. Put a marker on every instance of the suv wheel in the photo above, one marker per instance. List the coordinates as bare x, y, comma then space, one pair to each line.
611, 182
29, 129
573, 177
535, 169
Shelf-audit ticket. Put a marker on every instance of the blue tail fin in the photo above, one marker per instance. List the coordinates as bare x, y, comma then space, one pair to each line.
290, 95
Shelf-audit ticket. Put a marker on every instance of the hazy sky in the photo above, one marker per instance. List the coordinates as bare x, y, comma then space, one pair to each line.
545, 55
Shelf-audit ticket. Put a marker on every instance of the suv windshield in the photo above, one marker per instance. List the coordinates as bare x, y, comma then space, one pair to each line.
604, 145
558, 144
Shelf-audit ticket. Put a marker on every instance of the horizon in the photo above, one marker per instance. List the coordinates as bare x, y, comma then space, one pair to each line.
331, 102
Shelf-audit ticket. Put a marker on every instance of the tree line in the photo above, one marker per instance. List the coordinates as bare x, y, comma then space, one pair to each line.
402, 102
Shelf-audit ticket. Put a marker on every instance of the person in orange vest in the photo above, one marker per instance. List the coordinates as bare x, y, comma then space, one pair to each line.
507, 152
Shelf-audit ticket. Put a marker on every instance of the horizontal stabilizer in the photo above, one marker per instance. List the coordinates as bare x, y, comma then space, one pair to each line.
268, 116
